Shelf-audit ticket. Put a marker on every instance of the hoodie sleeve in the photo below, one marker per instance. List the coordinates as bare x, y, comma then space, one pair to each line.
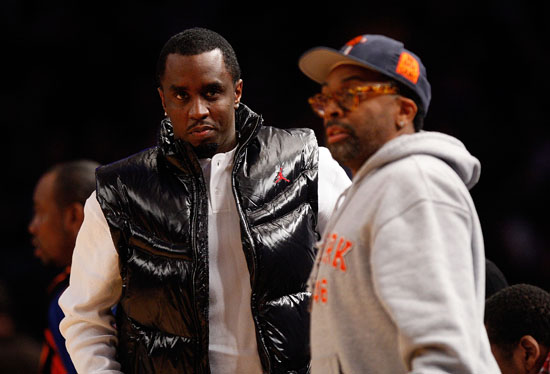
95, 287
423, 273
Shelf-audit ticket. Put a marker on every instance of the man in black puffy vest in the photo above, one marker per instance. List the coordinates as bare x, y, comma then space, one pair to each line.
202, 244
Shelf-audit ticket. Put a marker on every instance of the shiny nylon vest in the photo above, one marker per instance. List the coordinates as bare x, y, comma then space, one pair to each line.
155, 203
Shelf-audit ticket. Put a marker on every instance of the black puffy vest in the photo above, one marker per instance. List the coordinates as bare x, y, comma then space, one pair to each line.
155, 203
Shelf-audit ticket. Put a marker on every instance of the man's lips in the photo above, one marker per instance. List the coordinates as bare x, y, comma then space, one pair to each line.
201, 131
200, 128
336, 134
36, 245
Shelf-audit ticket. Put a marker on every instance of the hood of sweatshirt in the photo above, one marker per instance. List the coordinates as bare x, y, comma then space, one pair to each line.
444, 147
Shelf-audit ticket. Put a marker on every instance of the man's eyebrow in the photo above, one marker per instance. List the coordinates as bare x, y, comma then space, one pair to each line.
175, 88
214, 85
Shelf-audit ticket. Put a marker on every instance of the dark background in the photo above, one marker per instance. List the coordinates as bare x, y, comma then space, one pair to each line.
78, 82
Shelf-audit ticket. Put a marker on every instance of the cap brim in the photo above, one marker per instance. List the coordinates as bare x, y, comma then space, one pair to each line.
318, 62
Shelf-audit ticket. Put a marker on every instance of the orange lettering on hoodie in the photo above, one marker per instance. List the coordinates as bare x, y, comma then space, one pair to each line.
328, 248
340, 252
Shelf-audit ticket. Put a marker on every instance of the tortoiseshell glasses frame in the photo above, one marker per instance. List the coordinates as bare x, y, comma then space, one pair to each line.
349, 99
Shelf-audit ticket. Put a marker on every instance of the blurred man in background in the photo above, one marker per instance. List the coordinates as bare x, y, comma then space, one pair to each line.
517, 319
59, 199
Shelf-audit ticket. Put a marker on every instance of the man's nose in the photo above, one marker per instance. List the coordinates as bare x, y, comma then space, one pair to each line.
332, 110
199, 109
32, 226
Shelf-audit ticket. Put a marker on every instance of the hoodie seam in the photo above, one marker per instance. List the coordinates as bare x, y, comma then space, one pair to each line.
425, 181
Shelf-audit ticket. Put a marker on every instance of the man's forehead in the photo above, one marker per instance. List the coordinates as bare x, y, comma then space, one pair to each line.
208, 60
213, 52
45, 185
191, 70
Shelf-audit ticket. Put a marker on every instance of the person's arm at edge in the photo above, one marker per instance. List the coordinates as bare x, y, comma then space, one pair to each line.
332, 181
95, 287
55, 316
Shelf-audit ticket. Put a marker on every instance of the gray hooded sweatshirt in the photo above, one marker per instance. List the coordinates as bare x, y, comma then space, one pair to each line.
399, 282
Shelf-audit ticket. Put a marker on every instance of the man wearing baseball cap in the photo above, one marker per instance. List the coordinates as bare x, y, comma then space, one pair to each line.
399, 280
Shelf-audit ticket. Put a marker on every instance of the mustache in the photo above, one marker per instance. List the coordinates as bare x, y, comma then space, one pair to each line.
197, 123
340, 124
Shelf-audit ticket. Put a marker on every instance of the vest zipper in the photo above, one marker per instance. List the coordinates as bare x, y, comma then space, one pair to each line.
249, 235
196, 207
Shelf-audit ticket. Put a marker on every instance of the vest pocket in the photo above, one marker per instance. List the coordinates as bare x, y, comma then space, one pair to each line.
143, 350
158, 292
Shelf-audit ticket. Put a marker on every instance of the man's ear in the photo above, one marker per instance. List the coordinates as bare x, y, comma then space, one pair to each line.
530, 352
161, 94
238, 93
73, 215
406, 113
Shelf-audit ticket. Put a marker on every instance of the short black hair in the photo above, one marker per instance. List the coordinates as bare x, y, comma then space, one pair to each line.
516, 311
195, 41
74, 181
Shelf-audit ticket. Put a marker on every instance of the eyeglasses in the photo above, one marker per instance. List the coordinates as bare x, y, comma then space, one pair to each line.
349, 99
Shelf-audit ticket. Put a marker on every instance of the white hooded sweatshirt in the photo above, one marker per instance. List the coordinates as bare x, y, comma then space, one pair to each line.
399, 285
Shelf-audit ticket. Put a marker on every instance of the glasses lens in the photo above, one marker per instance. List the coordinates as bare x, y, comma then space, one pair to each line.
347, 100
318, 104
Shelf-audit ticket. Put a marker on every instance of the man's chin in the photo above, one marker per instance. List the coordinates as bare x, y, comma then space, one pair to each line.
207, 150
47, 262
342, 151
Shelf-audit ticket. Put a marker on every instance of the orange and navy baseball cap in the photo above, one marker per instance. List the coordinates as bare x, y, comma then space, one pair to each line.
376, 52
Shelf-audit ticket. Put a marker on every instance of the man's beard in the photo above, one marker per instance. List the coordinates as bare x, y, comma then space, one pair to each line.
347, 149
207, 150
